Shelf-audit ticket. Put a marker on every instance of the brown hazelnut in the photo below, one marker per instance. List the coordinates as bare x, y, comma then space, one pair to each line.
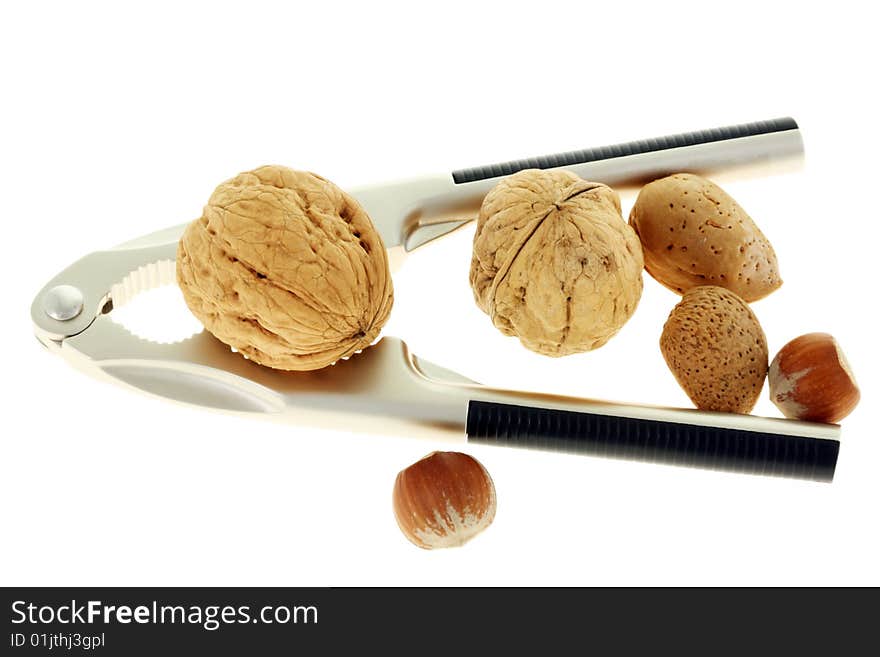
287, 268
810, 379
444, 500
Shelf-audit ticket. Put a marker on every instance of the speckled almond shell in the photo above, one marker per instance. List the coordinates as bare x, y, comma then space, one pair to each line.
554, 263
286, 268
693, 233
716, 349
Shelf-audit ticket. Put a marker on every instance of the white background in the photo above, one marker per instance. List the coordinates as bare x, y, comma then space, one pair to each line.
118, 121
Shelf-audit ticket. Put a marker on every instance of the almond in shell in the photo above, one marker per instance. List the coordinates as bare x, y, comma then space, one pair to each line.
693, 233
716, 349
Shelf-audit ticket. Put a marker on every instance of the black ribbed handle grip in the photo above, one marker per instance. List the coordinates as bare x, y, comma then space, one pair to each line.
622, 150
736, 450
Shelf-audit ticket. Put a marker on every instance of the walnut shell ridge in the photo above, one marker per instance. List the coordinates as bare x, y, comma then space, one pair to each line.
287, 268
554, 263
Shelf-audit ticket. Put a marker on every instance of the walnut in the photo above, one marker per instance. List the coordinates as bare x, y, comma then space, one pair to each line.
286, 268
554, 263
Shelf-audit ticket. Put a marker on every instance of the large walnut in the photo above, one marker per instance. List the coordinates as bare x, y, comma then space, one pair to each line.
286, 268
554, 263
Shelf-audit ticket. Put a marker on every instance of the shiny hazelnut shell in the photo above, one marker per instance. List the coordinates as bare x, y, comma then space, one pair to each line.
443, 500
810, 379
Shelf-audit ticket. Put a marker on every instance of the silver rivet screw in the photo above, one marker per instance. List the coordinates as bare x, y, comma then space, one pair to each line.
63, 302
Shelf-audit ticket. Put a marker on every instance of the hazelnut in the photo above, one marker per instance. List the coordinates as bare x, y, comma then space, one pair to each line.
444, 500
554, 263
810, 379
716, 349
286, 268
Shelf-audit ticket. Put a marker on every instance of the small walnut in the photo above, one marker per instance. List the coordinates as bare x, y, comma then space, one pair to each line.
554, 263
286, 268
